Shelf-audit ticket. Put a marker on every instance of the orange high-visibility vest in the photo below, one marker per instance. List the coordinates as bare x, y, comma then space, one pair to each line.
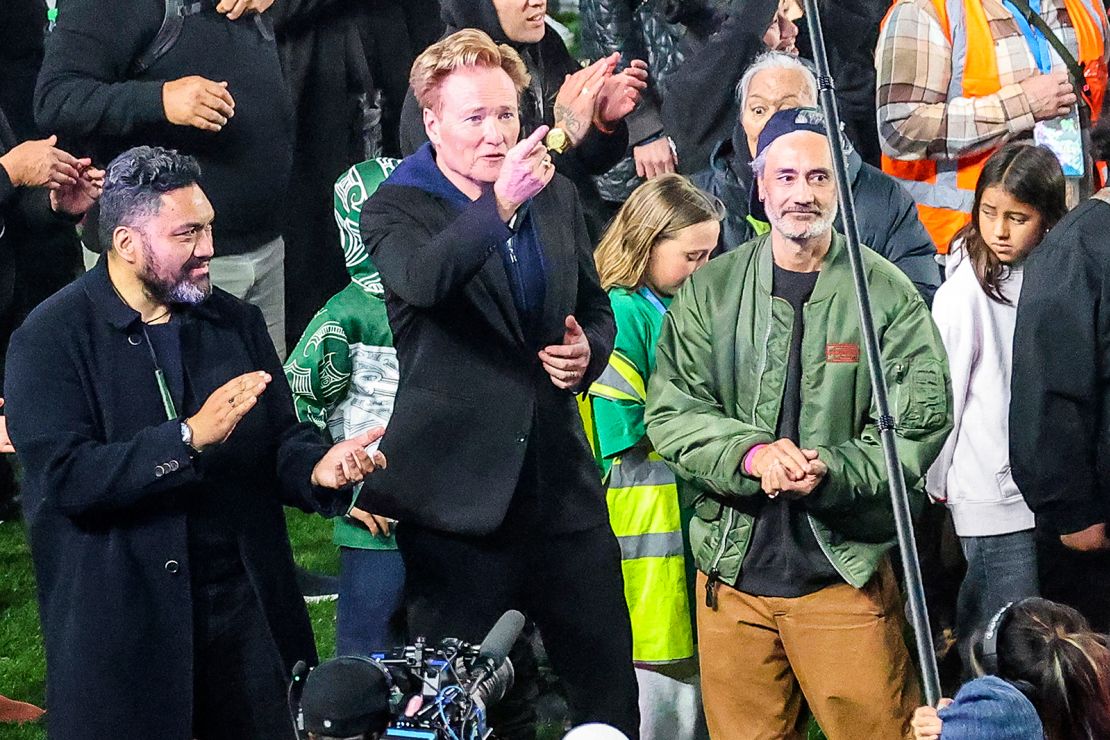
944, 189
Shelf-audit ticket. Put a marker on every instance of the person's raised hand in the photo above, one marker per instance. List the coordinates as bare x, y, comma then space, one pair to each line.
526, 170
1050, 95
41, 164
619, 95
1091, 539
655, 158
75, 199
227, 405
566, 363
236, 9
348, 462
197, 102
5, 441
927, 723
576, 101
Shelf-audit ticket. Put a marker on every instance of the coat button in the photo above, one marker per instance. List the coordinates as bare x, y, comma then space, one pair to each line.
134, 340
172, 566
159, 471
173, 465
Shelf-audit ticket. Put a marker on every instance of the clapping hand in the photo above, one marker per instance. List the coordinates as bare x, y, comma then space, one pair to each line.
227, 405
347, 462
566, 363
576, 101
620, 93
41, 164
79, 197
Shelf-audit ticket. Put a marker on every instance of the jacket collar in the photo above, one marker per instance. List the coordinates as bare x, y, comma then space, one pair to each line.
107, 302
835, 269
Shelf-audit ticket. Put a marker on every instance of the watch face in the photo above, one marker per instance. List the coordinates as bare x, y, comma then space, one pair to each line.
556, 140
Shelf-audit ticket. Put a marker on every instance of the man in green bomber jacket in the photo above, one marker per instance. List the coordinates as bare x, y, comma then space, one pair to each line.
761, 400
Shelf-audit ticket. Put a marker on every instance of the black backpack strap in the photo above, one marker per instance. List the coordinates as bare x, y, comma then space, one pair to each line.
169, 32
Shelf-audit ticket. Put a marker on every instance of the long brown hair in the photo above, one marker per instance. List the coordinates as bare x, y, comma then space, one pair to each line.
1030, 174
655, 211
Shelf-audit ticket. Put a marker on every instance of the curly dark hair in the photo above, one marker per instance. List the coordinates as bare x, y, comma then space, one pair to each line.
134, 184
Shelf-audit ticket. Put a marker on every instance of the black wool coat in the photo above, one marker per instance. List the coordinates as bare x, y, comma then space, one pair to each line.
106, 496
476, 415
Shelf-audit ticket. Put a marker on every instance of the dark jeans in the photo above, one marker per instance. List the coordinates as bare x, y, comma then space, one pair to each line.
239, 684
570, 585
1078, 579
371, 601
1000, 569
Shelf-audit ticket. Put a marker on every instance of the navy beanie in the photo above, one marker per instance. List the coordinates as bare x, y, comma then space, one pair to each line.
989, 708
781, 123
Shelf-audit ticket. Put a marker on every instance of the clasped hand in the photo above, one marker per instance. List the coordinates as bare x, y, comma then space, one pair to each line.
783, 468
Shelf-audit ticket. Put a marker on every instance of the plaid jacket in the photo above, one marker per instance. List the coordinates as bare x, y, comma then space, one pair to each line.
918, 119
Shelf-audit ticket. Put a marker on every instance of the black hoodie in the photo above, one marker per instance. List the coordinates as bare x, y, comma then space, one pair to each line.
548, 62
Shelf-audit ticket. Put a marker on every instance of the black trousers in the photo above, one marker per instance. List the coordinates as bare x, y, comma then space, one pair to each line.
239, 684
570, 585
1077, 579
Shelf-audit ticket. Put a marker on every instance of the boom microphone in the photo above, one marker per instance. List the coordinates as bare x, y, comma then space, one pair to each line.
496, 646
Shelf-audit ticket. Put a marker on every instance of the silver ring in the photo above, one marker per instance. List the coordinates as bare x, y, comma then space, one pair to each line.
585, 90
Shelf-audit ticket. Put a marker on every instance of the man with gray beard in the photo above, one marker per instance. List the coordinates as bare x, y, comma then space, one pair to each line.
761, 401
159, 442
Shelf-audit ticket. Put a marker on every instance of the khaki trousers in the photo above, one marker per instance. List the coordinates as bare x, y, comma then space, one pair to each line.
841, 648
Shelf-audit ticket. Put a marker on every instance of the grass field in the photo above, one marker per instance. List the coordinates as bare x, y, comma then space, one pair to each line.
22, 663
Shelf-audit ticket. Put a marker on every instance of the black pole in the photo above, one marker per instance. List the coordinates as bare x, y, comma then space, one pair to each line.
907, 544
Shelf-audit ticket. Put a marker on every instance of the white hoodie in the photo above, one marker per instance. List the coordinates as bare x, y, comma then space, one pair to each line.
972, 473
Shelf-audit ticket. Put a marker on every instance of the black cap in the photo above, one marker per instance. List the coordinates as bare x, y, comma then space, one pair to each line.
783, 122
346, 696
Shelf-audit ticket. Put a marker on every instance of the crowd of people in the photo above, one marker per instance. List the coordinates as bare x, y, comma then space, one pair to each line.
572, 329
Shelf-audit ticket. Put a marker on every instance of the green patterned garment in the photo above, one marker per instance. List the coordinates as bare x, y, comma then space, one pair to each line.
343, 372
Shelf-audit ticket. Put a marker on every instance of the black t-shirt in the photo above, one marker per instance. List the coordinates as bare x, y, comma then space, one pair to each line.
213, 545
784, 558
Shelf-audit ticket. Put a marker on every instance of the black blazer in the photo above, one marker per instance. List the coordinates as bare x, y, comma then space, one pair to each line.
107, 484
473, 395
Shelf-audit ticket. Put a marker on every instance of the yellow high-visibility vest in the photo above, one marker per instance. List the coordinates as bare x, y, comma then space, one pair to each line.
644, 512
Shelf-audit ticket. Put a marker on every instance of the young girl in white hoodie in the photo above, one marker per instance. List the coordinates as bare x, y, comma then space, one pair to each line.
1019, 197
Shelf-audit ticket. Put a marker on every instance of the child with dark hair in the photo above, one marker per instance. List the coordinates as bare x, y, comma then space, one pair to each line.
1047, 653
1019, 197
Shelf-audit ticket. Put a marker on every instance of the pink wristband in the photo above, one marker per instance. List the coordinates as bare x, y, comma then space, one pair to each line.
746, 466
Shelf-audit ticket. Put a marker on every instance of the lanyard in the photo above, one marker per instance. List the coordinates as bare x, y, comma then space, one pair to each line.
1038, 44
652, 299
160, 378
51, 14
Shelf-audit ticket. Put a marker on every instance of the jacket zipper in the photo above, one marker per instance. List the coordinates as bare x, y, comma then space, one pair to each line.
713, 577
825, 549
813, 527
714, 574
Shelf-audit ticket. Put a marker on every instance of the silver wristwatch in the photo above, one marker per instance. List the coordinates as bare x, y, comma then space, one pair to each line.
187, 438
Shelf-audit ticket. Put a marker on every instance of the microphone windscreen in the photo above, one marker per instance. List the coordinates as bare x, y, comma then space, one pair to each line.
499, 641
